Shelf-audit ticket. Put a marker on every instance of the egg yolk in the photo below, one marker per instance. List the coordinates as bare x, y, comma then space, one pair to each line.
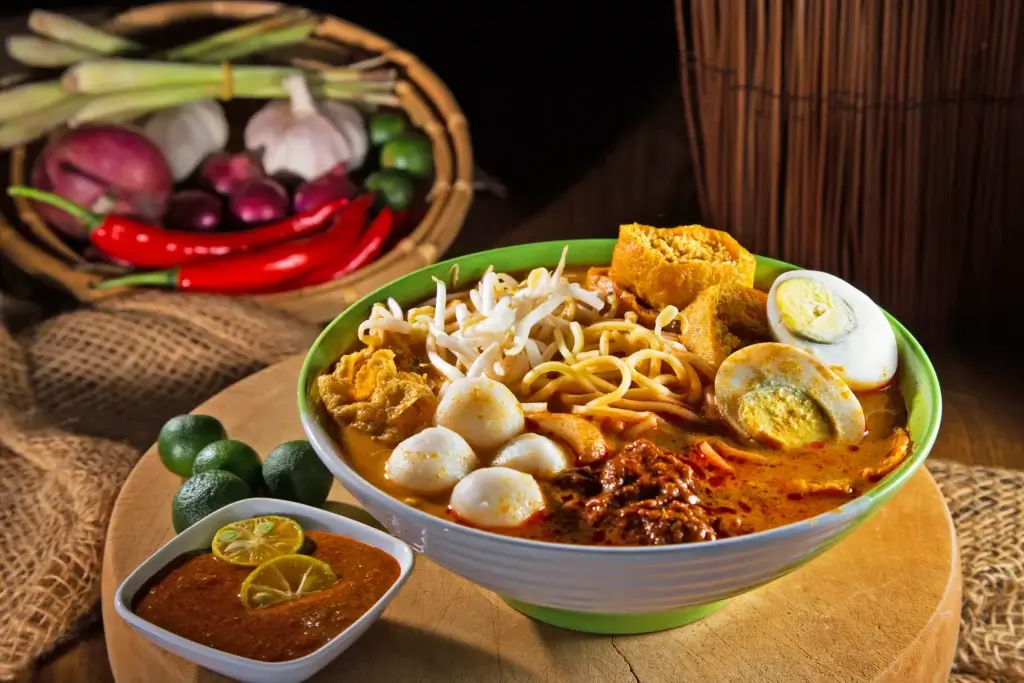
812, 311
783, 417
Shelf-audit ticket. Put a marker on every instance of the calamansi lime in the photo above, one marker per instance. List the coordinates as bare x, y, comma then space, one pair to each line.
182, 437
285, 578
251, 542
204, 494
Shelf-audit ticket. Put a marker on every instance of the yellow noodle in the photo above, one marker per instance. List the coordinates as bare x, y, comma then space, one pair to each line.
660, 407
617, 413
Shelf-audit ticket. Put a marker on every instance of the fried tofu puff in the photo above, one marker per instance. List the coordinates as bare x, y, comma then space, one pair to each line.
671, 266
723, 319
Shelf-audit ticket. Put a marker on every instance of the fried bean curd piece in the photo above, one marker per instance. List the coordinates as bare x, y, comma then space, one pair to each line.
723, 319
671, 266
376, 392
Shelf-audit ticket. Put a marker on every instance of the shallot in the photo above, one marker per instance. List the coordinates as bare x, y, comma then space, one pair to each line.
259, 200
105, 169
334, 184
194, 210
225, 172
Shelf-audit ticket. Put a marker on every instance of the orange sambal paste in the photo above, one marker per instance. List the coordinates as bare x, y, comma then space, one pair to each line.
196, 597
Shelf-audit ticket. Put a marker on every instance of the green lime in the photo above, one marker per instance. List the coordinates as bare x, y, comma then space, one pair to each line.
231, 456
394, 187
384, 127
292, 471
182, 437
204, 494
408, 153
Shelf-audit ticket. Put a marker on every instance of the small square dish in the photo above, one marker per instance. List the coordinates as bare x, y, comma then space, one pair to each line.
187, 545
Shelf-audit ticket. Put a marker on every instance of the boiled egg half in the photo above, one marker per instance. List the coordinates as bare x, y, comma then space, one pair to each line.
837, 324
497, 497
484, 412
784, 397
430, 461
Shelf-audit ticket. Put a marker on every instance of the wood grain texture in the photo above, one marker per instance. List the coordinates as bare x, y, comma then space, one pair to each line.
881, 606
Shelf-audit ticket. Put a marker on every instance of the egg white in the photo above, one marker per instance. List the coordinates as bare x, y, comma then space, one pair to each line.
497, 497
484, 412
533, 454
430, 461
866, 357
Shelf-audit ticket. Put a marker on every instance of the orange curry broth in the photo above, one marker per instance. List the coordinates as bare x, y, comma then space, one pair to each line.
197, 597
762, 494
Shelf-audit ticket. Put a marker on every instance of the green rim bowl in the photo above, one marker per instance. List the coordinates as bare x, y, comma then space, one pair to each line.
601, 589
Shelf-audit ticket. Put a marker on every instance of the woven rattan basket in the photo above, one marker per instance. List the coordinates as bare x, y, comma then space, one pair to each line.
40, 252
881, 141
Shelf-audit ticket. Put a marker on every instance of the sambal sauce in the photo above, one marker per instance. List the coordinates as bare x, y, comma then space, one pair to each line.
197, 598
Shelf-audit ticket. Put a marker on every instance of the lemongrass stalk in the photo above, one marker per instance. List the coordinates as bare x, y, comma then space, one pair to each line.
140, 102
64, 29
27, 128
346, 75
374, 98
13, 79
198, 49
44, 53
103, 76
270, 40
22, 100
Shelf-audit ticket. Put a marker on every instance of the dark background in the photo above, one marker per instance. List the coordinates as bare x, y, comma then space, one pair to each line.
546, 87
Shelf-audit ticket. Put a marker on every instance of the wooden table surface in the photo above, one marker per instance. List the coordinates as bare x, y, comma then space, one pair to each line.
646, 177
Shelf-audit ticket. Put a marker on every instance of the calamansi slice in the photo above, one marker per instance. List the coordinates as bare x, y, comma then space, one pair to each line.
286, 578
251, 542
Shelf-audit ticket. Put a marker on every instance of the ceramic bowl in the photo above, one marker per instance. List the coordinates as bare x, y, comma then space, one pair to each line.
591, 588
200, 535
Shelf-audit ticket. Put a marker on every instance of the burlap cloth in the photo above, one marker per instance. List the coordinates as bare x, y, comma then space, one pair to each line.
83, 394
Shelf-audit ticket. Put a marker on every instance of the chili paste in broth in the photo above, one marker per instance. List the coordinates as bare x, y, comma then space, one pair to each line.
661, 489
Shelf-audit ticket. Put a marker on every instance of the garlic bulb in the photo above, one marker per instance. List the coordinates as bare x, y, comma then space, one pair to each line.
306, 138
188, 134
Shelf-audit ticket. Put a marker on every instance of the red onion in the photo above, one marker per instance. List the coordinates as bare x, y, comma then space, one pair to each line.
194, 210
260, 200
226, 172
106, 169
332, 185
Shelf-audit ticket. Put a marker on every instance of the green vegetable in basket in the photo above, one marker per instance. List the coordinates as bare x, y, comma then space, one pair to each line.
394, 187
409, 153
182, 437
386, 127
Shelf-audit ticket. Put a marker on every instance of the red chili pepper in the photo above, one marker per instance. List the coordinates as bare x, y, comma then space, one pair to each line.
358, 255
256, 271
150, 246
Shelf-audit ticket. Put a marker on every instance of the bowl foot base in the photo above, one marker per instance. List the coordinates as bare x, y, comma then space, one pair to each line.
616, 624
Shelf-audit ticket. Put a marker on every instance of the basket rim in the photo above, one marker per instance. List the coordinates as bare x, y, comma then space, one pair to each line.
448, 202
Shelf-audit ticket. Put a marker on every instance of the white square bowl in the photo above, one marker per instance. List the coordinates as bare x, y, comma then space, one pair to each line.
200, 535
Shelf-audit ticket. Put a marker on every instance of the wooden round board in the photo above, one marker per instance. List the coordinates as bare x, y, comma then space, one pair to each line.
884, 605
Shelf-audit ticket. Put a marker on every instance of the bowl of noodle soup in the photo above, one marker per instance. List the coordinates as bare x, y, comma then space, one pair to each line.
603, 367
